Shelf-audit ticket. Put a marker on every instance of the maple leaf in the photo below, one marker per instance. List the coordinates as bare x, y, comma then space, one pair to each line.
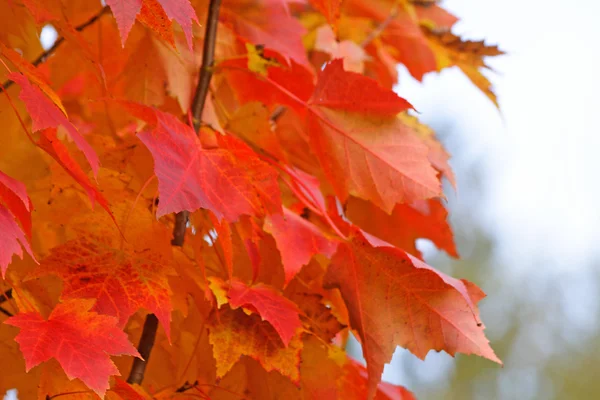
354, 385
153, 16
235, 333
57, 150
330, 9
395, 299
14, 194
121, 281
272, 307
430, 13
11, 240
81, 340
230, 180
363, 148
18, 205
402, 32
32, 74
268, 23
125, 12
408, 222
125, 391
438, 156
467, 55
46, 114
297, 240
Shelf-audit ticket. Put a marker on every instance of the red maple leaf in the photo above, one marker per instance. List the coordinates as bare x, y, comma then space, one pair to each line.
57, 150
82, 341
363, 148
229, 180
426, 219
330, 9
45, 114
277, 310
122, 282
125, 12
269, 23
297, 240
18, 205
11, 240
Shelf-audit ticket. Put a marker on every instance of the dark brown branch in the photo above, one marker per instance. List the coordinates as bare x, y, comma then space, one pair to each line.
381, 27
181, 219
5, 312
208, 59
208, 54
42, 57
144, 348
6, 296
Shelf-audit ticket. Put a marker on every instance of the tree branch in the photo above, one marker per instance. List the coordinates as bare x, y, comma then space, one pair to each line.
144, 348
6, 296
208, 53
5, 312
42, 57
208, 59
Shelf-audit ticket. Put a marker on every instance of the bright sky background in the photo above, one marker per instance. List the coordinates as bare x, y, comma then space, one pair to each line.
538, 159
542, 165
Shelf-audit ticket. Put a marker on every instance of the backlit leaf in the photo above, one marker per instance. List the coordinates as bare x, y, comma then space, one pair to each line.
121, 281
272, 307
394, 299
46, 114
81, 340
235, 334
230, 180
297, 240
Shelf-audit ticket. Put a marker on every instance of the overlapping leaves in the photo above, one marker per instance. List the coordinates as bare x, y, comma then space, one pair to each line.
307, 185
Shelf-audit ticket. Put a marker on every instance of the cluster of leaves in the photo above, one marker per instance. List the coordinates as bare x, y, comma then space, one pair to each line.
299, 181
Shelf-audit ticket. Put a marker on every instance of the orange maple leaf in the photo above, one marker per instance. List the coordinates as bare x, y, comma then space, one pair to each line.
395, 299
235, 334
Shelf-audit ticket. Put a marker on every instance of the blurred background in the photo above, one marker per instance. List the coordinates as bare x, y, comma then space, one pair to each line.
527, 212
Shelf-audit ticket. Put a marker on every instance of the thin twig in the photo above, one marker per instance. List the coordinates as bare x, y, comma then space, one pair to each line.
42, 57
151, 324
381, 27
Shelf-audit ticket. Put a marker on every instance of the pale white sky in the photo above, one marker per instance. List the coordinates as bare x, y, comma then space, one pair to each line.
539, 165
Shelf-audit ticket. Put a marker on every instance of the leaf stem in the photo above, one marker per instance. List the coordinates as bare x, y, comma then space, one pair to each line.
42, 57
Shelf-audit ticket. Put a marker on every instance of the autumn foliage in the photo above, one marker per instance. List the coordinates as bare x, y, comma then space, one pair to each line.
207, 199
